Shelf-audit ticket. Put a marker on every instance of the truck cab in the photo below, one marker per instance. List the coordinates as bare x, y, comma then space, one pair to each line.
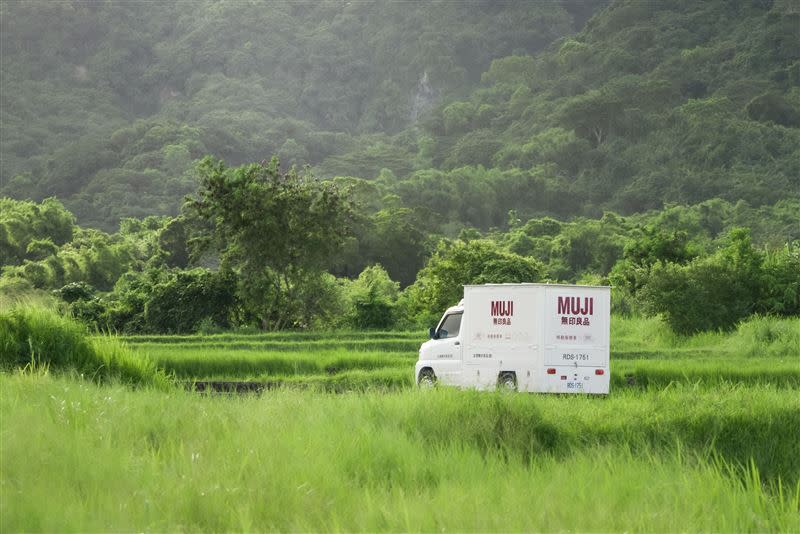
443, 351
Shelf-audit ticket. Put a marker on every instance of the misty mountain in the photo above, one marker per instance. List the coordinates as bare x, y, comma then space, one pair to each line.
464, 111
106, 104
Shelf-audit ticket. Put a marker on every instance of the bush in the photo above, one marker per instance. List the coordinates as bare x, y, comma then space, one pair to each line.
704, 295
718, 291
373, 296
441, 283
179, 304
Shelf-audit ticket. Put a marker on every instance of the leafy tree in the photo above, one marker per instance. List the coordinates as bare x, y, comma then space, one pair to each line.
780, 283
75, 291
773, 107
277, 230
39, 249
31, 230
454, 264
708, 293
398, 242
173, 243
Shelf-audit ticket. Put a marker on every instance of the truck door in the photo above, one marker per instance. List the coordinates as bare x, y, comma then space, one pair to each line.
447, 350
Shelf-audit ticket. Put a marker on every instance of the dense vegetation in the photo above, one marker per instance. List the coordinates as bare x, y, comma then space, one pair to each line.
676, 102
700, 433
671, 173
650, 103
220, 266
39, 340
279, 197
106, 104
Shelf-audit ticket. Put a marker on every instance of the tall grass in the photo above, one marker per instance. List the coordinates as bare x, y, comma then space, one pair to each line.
111, 459
290, 336
190, 362
33, 335
638, 337
707, 372
332, 342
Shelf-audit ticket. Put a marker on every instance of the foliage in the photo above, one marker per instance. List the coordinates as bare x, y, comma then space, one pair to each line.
107, 107
160, 274
373, 296
182, 301
440, 284
31, 231
279, 231
717, 291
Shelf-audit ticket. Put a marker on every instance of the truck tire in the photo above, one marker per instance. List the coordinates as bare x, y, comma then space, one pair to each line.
507, 381
426, 379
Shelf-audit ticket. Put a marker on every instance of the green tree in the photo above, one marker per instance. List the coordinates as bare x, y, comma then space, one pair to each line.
277, 230
179, 304
454, 264
710, 293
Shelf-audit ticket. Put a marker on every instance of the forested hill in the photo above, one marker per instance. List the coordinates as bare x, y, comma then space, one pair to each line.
652, 103
106, 104
464, 111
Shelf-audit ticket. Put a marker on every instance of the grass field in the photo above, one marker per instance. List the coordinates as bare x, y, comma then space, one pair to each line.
644, 353
698, 434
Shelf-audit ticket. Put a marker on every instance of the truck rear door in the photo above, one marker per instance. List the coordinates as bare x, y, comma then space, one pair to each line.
577, 339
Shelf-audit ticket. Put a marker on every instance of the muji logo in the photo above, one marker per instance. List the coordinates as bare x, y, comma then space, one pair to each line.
574, 306
502, 308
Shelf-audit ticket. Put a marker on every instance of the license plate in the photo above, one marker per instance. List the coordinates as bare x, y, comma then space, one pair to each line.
575, 385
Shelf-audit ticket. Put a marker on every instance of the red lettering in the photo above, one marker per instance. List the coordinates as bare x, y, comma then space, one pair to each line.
502, 308
574, 306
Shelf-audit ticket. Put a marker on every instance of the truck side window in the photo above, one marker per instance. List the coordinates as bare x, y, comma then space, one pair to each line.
450, 326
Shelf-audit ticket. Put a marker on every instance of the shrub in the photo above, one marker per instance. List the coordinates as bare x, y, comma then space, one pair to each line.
184, 300
718, 291
373, 296
441, 283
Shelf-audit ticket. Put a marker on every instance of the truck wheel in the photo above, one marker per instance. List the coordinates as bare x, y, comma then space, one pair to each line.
426, 379
507, 382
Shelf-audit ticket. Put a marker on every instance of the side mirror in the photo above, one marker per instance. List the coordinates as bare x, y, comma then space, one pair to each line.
432, 333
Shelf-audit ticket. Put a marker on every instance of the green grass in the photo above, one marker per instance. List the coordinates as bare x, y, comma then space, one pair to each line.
753, 338
644, 353
190, 362
297, 345
111, 458
706, 371
35, 336
698, 434
291, 336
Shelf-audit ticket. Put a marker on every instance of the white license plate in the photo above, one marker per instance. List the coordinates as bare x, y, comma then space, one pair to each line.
575, 385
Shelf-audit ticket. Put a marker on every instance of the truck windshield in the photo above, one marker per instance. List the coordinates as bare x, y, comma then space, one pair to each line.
450, 326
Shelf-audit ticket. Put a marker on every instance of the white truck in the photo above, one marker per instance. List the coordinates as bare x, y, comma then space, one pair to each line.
547, 338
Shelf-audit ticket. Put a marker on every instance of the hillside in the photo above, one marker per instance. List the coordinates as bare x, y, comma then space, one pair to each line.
106, 105
652, 103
